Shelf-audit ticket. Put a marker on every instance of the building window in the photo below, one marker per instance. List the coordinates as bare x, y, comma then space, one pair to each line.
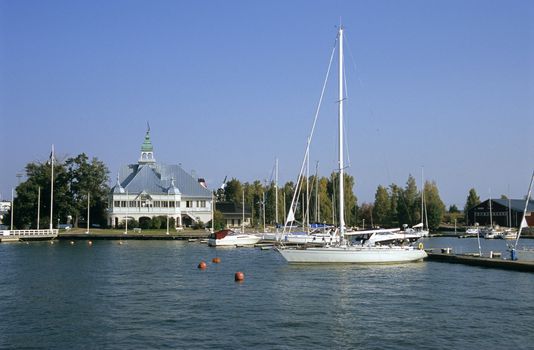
157, 204
171, 204
189, 204
117, 204
177, 204
201, 204
133, 204
123, 204
165, 204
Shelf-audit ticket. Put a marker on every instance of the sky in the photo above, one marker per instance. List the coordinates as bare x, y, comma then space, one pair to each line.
229, 86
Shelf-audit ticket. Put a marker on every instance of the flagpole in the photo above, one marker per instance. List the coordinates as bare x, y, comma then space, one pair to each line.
12, 207
88, 205
52, 192
38, 206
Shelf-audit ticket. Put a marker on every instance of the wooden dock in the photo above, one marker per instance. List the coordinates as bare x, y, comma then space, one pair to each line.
497, 262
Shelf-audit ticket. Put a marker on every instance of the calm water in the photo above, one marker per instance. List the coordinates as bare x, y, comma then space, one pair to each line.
149, 294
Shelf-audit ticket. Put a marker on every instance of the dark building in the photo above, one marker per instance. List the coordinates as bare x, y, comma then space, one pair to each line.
233, 214
504, 212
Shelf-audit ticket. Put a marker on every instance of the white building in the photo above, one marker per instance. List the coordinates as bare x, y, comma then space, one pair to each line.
150, 189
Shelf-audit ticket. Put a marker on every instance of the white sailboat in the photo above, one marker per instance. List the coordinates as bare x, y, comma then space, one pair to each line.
344, 251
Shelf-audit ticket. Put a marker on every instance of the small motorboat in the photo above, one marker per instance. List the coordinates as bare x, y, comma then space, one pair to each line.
230, 238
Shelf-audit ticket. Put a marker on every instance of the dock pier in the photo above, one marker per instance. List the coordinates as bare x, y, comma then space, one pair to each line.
474, 260
27, 235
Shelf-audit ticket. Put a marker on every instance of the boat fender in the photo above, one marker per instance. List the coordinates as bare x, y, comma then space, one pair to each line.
421, 246
239, 276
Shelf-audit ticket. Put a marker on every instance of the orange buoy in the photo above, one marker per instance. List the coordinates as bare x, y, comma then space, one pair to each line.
216, 260
202, 265
239, 276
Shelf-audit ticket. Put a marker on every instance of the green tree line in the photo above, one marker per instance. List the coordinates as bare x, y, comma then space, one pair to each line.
74, 179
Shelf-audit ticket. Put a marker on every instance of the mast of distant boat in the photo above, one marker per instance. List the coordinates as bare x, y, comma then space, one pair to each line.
340, 137
276, 191
52, 191
491, 214
243, 213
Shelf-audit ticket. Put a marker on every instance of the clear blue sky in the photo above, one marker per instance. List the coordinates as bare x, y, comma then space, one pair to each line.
227, 86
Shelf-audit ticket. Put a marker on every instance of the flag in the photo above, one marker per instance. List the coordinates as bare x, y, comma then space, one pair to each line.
51, 156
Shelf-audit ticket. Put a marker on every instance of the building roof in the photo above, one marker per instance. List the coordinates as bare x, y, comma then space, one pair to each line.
154, 178
158, 179
516, 204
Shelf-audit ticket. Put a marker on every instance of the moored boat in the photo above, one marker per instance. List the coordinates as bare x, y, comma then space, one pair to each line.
232, 238
344, 251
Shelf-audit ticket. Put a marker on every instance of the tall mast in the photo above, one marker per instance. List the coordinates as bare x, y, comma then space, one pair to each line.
308, 188
12, 207
52, 191
276, 191
316, 192
243, 218
422, 196
491, 214
340, 136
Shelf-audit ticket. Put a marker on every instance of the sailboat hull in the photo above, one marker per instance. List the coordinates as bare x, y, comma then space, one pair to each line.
352, 254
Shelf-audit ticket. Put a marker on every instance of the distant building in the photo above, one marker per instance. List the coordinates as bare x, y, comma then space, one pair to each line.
151, 189
233, 214
504, 213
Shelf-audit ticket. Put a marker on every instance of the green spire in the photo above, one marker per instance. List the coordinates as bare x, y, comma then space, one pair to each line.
147, 145
147, 151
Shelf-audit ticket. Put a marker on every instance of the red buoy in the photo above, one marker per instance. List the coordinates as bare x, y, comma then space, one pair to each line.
216, 260
239, 276
202, 265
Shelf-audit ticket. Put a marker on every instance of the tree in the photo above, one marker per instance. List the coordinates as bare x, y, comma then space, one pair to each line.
382, 207
434, 205
73, 180
145, 222
408, 203
393, 217
26, 201
325, 201
367, 213
85, 178
472, 200
453, 209
350, 200
233, 191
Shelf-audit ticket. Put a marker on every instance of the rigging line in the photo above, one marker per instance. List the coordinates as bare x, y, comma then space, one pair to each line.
313, 126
